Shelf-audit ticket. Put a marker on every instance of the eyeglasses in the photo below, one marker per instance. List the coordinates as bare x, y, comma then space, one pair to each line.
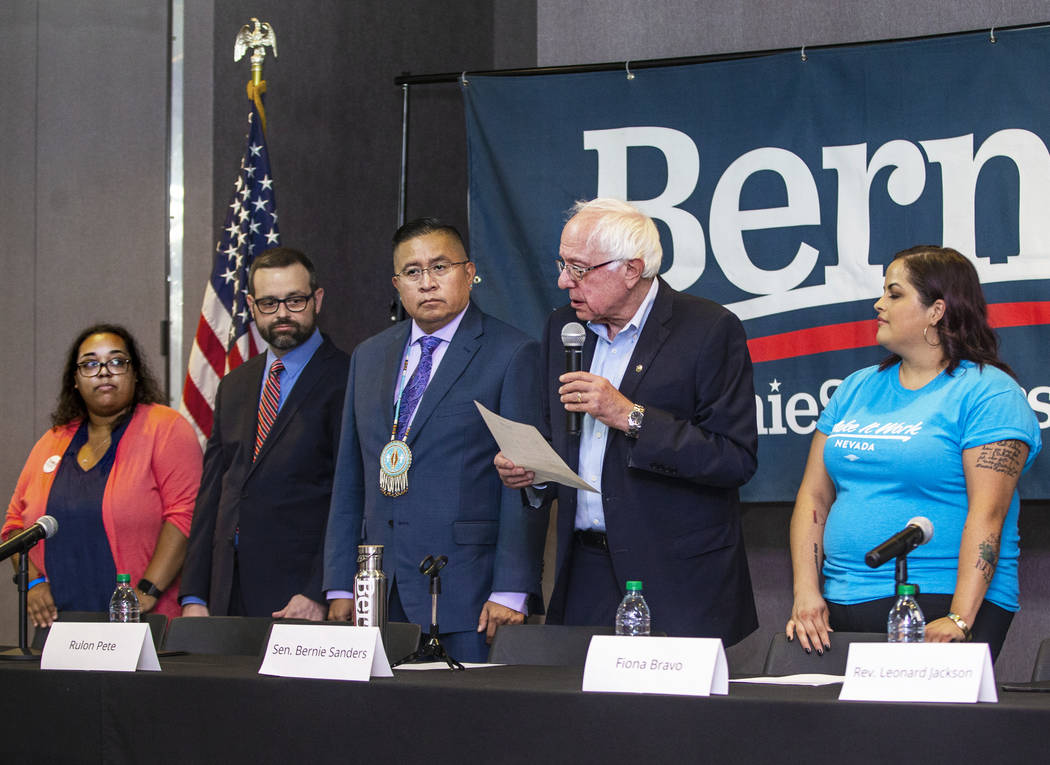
438, 271
295, 303
116, 366
576, 273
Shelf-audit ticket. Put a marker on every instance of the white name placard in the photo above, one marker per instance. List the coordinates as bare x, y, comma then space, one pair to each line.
112, 646
325, 652
959, 672
673, 665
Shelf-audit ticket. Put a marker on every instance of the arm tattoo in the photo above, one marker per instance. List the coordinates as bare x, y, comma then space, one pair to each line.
988, 557
816, 557
1002, 457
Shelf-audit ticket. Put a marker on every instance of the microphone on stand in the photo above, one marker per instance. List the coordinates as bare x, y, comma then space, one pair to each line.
44, 528
919, 531
572, 336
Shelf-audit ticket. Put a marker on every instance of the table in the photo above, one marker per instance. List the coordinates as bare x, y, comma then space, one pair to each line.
218, 709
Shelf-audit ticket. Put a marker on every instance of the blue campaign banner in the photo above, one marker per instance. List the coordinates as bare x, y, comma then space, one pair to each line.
782, 185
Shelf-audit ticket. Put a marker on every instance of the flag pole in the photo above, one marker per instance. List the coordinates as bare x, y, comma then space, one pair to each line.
226, 335
257, 37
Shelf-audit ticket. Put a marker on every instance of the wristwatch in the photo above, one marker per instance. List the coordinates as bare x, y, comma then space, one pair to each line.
147, 587
634, 420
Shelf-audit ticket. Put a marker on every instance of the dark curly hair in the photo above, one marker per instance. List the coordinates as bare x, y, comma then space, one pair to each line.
70, 406
941, 273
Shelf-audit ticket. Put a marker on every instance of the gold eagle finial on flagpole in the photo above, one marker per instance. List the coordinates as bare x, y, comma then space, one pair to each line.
256, 37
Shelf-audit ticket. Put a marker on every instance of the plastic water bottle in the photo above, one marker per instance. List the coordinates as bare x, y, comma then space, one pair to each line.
906, 624
632, 616
124, 605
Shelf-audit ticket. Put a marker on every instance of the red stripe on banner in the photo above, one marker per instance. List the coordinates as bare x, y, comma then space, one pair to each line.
198, 407
1019, 314
805, 342
861, 334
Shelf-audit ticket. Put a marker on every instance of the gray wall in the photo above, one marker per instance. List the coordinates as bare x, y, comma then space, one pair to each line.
83, 107
588, 31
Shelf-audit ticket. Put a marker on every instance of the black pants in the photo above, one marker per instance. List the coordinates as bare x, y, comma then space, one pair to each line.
990, 627
593, 593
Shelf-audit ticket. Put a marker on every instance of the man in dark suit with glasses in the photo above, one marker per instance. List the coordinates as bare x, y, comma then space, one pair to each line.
256, 545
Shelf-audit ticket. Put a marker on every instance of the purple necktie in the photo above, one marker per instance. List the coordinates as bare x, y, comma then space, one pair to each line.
417, 384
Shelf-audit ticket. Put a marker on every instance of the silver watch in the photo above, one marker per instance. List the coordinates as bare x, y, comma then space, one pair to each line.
634, 420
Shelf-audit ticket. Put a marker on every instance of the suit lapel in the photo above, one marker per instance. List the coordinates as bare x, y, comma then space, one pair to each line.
390, 381
588, 349
654, 334
465, 343
309, 378
255, 371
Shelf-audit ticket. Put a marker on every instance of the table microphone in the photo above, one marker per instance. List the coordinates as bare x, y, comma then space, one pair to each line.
44, 528
572, 337
919, 531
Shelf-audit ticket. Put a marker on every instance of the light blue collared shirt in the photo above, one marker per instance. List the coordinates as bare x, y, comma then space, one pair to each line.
610, 361
294, 361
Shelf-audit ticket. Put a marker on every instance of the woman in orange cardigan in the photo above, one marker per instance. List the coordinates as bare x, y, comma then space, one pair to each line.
119, 472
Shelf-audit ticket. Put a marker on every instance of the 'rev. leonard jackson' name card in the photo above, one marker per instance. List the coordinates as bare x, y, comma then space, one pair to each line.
325, 652
671, 665
109, 646
952, 672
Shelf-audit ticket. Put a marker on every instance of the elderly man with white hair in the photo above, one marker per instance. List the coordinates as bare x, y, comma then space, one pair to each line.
668, 435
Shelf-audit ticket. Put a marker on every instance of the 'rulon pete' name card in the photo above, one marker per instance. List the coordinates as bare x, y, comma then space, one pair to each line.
111, 646
953, 672
325, 652
671, 665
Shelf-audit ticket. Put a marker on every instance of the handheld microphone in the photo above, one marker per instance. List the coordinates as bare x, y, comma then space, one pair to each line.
44, 528
572, 337
919, 531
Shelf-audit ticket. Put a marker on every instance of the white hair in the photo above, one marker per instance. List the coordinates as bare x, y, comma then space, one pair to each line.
622, 232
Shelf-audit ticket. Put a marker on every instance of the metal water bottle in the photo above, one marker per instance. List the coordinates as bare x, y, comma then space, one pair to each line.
370, 588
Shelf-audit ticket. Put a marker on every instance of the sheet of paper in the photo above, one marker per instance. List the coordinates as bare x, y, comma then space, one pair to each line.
440, 665
810, 679
523, 445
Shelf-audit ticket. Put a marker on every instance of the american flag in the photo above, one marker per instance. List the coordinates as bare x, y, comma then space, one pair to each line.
226, 335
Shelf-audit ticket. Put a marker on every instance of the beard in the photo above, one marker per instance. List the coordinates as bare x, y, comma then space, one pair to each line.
284, 341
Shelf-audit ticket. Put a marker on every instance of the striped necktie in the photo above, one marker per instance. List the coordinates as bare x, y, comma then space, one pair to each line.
268, 404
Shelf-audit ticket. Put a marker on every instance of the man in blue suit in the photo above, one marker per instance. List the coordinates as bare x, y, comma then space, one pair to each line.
668, 435
410, 402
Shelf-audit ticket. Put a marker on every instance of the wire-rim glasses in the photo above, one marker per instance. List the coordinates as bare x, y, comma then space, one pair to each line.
438, 271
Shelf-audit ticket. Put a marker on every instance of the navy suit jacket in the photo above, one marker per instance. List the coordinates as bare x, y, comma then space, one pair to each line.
670, 497
279, 501
455, 504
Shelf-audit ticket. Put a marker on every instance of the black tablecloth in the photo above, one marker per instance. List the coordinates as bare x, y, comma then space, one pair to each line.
218, 709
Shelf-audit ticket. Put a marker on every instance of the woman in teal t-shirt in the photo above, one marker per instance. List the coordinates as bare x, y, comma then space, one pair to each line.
939, 429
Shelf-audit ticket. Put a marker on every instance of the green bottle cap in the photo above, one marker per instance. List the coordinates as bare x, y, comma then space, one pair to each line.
634, 586
123, 578
907, 589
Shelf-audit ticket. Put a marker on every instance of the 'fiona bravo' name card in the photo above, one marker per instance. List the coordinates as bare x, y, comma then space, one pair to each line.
671, 665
